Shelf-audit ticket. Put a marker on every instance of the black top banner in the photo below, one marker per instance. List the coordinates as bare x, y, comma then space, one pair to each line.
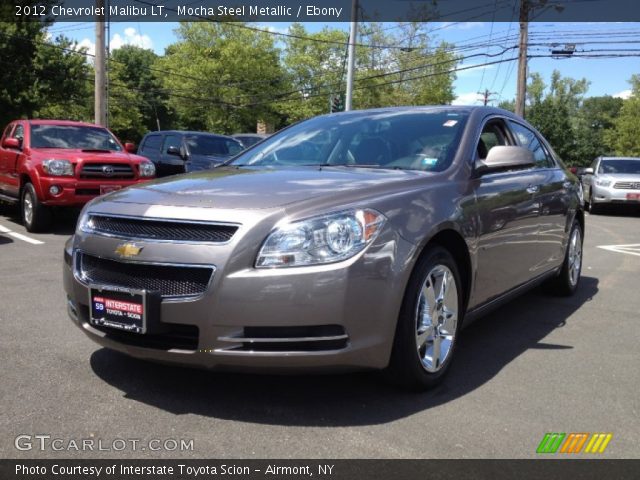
321, 10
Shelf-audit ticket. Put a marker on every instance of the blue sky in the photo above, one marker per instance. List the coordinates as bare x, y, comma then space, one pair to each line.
608, 76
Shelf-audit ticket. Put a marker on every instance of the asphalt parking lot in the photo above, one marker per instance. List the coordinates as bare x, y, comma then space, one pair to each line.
539, 364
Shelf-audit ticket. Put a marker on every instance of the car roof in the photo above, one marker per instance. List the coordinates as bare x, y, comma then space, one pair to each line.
620, 158
71, 123
187, 132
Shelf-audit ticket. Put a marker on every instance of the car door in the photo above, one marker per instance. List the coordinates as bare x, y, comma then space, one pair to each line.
553, 197
507, 220
9, 179
172, 164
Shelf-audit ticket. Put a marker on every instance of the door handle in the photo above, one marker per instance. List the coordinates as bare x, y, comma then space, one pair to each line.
533, 189
567, 184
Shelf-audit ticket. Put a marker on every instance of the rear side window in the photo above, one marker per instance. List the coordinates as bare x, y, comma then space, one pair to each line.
528, 139
151, 144
492, 135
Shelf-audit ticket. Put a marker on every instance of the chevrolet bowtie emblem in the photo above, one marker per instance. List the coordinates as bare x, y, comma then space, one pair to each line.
128, 250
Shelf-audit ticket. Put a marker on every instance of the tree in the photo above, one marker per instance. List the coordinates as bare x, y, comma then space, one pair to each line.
625, 135
223, 78
138, 103
594, 119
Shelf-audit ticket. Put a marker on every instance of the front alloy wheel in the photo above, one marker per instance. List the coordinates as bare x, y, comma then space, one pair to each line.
436, 318
429, 321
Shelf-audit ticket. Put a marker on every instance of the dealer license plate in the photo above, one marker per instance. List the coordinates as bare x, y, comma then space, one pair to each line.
633, 196
119, 308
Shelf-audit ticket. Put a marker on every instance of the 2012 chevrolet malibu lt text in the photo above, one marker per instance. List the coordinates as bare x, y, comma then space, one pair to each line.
347, 241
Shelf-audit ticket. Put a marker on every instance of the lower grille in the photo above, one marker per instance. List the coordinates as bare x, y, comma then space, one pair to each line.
159, 229
168, 280
106, 170
289, 339
173, 336
627, 185
88, 191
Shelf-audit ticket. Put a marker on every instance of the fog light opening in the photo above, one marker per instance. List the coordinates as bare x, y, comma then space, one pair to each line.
55, 190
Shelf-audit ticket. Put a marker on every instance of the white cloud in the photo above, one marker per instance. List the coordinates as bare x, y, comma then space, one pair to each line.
131, 37
470, 98
623, 94
89, 45
273, 28
469, 25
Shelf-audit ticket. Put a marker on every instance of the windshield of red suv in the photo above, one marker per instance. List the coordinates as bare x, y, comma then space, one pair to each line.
73, 137
394, 139
619, 166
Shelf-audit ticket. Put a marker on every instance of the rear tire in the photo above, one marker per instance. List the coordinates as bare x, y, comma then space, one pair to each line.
566, 283
35, 216
593, 208
429, 322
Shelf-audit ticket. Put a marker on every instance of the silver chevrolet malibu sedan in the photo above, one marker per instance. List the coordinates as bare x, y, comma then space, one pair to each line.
360, 240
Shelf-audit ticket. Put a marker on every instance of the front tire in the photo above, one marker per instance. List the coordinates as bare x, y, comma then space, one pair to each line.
429, 322
35, 216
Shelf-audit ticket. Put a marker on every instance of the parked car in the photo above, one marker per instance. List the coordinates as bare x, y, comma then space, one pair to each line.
175, 151
57, 163
612, 181
249, 139
355, 240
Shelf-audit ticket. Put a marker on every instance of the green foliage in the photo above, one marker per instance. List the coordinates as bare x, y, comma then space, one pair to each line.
224, 77
595, 118
625, 135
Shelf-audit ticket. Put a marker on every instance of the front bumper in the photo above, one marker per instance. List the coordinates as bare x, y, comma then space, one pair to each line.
602, 195
74, 192
326, 318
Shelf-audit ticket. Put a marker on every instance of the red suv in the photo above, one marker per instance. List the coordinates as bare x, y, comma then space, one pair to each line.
47, 163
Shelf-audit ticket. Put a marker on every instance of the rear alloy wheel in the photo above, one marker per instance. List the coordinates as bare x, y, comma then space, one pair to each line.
35, 216
429, 322
566, 283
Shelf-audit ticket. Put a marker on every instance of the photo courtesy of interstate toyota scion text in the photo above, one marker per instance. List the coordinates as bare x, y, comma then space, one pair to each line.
358, 240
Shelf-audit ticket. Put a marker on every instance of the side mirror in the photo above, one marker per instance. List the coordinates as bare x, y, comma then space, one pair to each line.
14, 143
130, 147
506, 157
173, 150
588, 171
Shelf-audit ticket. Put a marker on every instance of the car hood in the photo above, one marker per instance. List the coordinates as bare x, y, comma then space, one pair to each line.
251, 188
621, 177
75, 155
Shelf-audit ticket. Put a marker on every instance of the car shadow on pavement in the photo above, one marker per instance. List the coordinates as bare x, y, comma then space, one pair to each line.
485, 348
63, 223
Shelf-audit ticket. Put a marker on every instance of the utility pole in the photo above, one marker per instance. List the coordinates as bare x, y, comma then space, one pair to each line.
100, 95
352, 55
486, 95
521, 92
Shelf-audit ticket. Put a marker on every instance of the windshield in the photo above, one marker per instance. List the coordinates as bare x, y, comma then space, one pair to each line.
67, 136
415, 140
620, 166
216, 146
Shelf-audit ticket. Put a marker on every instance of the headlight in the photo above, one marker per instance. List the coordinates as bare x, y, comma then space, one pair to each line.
601, 182
319, 240
147, 169
85, 222
58, 168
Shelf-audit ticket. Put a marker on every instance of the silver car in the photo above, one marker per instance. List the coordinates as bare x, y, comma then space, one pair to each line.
610, 181
359, 240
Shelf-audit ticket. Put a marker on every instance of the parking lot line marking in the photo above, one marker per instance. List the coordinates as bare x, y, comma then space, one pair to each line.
630, 249
19, 236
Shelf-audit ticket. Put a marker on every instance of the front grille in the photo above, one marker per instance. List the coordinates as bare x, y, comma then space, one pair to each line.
168, 230
106, 170
168, 280
313, 338
627, 185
